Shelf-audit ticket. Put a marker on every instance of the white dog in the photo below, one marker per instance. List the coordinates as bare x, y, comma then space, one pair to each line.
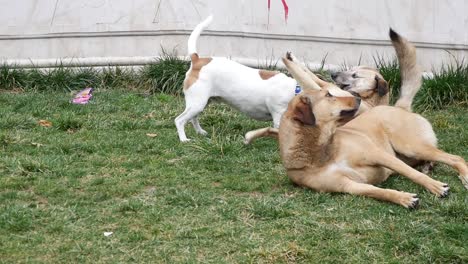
262, 95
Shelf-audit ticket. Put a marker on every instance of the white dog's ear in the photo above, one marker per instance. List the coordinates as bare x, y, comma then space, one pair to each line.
304, 79
303, 111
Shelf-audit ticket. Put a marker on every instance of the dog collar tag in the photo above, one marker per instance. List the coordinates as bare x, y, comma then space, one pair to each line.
298, 89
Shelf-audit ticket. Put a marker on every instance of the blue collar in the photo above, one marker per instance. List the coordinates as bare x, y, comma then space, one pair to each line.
298, 89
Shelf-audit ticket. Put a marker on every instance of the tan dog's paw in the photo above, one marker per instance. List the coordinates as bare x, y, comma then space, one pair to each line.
439, 188
290, 56
409, 200
248, 137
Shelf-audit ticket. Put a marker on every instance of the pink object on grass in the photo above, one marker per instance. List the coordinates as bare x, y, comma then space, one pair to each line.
83, 96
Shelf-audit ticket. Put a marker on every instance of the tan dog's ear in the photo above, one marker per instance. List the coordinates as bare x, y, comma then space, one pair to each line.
381, 86
303, 112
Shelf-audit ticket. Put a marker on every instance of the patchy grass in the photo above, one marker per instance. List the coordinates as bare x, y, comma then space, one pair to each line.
212, 200
448, 87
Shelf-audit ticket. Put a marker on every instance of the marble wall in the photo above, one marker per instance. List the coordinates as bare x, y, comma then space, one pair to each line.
344, 31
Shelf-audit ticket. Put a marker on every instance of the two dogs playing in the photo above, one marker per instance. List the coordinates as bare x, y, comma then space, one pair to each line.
323, 145
260, 94
363, 152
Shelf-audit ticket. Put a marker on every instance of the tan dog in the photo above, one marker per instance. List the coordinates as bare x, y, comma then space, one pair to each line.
367, 83
351, 159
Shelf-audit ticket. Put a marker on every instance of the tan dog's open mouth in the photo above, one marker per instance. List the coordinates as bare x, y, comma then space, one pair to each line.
345, 86
348, 113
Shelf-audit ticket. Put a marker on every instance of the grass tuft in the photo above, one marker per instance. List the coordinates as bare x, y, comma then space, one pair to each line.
117, 77
448, 87
166, 75
11, 78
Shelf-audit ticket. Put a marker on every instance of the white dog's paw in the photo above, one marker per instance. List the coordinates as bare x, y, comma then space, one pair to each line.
184, 140
202, 132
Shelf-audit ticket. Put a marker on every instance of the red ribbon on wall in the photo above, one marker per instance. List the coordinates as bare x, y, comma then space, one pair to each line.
286, 10
285, 7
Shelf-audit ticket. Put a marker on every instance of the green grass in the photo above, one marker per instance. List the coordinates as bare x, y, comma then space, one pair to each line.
212, 200
448, 87
165, 75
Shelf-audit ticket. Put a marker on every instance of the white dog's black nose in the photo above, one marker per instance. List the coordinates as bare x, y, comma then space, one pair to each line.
334, 75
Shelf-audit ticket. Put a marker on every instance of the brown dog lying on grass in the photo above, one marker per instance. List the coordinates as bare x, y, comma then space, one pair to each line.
367, 84
352, 158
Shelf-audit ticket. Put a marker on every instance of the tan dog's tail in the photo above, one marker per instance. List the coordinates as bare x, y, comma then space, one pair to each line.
411, 74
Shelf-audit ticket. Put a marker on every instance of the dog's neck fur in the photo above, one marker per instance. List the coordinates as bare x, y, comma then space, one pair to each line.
308, 146
374, 101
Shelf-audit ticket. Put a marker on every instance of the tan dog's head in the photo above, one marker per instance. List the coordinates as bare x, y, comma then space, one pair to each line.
320, 102
321, 107
367, 82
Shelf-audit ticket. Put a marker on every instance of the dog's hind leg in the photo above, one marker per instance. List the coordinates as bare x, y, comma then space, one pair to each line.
342, 182
389, 161
197, 127
194, 105
431, 153
423, 147
180, 122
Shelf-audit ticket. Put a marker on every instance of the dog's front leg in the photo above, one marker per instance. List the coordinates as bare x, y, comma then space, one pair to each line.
408, 200
342, 181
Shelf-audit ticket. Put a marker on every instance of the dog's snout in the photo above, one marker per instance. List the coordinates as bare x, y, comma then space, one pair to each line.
334, 75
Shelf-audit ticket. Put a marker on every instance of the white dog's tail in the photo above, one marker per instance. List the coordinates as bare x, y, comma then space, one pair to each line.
411, 74
192, 41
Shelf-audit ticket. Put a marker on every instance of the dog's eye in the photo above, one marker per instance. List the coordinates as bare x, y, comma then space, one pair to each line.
354, 75
328, 94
